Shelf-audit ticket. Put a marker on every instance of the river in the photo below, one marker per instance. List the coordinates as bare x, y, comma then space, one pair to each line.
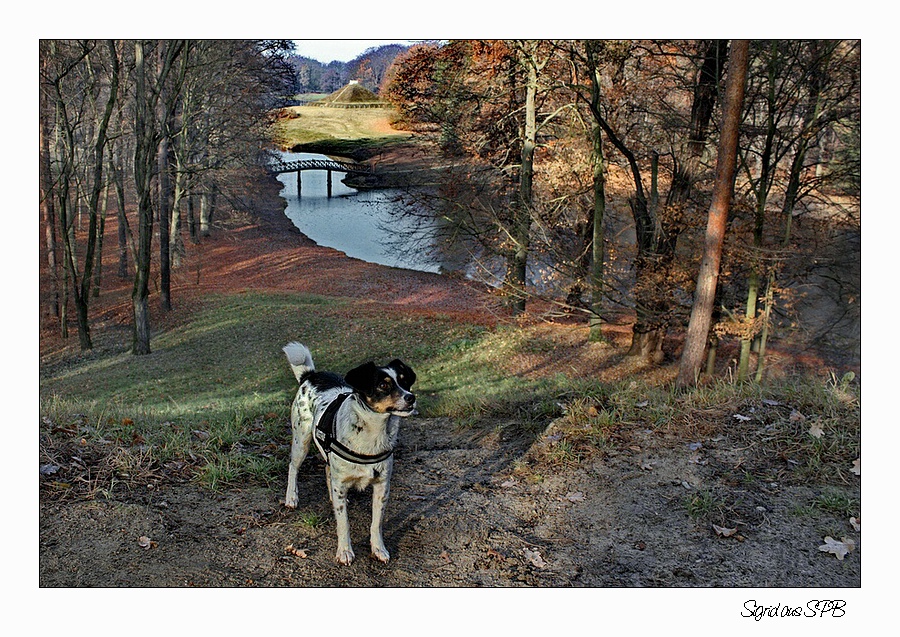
360, 223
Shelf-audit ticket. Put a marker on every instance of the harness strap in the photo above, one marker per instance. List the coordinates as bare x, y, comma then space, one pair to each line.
327, 441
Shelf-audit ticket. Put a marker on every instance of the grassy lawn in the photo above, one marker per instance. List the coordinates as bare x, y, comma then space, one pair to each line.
347, 131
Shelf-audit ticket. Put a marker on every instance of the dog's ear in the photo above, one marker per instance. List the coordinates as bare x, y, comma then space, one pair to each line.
362, 378
405, 375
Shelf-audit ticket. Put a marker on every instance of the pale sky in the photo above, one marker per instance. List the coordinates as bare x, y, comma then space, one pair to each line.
342, 50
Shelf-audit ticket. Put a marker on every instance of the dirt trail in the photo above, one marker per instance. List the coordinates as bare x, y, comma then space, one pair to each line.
468, 508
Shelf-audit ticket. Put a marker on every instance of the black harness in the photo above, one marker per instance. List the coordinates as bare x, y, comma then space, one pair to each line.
327, 442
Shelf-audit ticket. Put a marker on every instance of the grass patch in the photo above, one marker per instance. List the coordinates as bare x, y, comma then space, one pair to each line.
339, 131
212, 400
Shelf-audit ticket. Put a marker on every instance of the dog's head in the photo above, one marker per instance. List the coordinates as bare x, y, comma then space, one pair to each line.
385, 389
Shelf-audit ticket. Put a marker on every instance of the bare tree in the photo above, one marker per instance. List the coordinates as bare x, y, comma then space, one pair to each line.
723, 191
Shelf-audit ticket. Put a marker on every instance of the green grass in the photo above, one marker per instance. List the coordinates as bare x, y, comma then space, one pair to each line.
216, 391
339, 131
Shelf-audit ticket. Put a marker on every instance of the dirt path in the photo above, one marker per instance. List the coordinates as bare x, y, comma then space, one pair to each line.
468, 508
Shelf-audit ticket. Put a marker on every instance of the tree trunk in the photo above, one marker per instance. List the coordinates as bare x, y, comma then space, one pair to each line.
144, 156
49, 213
723, 190
165, 191
658, 234
522, 212
599, 210
595, 322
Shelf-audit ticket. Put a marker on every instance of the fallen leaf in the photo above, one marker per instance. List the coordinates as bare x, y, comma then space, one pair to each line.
796, 416
815, 430
592, 412
290, 549
770, 402
445, 556
575, 496
643, 403
741, 417
839, 549
200, 435
856, 467
534, 556
647, 465
723, 532
509, 483
855, 523
146, 543
635, 448
495, 554
48, 469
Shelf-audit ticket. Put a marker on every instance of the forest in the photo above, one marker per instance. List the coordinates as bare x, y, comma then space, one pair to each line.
588, 170
649, 376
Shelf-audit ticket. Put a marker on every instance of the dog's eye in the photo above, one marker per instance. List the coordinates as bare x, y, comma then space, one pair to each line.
385, 385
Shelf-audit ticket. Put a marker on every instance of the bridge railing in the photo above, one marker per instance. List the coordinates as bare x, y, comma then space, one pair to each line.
297, 165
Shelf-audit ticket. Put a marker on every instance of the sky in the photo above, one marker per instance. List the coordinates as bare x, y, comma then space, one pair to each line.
341, 50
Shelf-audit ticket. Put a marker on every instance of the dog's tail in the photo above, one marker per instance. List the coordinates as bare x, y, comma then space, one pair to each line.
299, 358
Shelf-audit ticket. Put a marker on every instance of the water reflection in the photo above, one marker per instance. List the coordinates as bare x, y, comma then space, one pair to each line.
359, 223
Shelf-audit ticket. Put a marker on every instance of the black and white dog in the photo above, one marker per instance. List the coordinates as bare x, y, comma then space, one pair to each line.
354, 421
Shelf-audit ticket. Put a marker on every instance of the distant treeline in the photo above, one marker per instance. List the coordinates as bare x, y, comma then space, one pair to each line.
370, 69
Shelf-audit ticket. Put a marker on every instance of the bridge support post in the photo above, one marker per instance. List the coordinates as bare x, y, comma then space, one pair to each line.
299, 182
329, 184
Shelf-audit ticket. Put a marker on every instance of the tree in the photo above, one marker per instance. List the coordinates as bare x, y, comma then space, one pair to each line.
148, 87
75, 89
723, 190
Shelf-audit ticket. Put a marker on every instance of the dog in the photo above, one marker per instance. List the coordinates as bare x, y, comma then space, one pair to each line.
354, 422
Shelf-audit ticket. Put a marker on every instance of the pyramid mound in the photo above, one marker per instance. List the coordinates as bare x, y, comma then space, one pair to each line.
353, 93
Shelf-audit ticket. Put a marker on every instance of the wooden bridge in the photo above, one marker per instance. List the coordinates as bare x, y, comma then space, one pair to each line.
299, 165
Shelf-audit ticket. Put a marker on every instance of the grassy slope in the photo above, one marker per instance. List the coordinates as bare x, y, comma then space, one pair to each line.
356, 133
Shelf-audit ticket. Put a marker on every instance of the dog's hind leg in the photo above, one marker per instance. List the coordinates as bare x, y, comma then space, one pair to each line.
380, 491
300, 440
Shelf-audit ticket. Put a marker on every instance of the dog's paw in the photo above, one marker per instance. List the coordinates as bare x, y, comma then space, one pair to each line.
344, 556
381, 554
291, 502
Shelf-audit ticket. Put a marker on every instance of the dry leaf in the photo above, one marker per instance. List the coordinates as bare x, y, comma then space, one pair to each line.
840, 549
723, 532
291, 550
534, 556
797, 416
856, 467
146, 543
815, 430
741, 417
855, 523
647, 465
575, 496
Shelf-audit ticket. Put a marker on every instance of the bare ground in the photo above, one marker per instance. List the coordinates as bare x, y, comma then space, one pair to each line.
469, 506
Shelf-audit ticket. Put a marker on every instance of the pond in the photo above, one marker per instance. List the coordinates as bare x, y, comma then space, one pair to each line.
363, 224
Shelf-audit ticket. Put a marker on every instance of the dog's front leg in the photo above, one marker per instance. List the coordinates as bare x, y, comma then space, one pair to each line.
338, 492
380, 492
